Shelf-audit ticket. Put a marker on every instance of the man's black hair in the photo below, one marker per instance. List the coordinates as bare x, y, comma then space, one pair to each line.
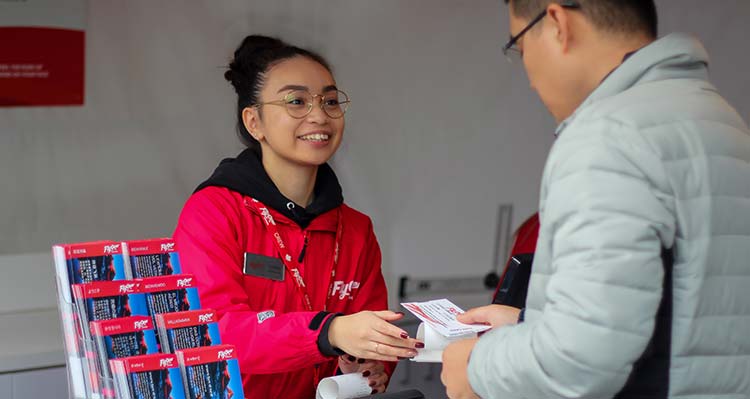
617, 16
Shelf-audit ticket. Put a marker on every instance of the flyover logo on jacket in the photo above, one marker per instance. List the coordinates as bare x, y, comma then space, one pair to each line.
344, 290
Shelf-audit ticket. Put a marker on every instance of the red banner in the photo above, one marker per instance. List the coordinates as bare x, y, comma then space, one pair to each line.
41, 66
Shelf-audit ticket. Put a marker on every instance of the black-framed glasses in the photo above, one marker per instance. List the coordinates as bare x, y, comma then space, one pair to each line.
299, 103
510, 48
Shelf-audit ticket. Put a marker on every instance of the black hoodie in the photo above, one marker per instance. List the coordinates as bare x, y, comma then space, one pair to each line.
246, 175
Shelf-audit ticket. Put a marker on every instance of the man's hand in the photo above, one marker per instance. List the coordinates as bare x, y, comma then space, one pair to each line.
455, 365
493, 315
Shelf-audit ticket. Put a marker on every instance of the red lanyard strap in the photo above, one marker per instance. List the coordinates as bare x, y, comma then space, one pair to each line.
290, 262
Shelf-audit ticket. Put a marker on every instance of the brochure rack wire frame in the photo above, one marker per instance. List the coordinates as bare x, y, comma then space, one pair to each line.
85, 377
83, 373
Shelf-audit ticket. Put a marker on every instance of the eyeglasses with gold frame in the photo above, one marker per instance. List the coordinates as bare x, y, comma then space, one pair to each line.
299, 103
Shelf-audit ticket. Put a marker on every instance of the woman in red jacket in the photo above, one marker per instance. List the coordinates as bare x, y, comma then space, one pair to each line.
293, 272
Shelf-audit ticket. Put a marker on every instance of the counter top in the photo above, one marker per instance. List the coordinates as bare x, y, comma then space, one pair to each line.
30, 340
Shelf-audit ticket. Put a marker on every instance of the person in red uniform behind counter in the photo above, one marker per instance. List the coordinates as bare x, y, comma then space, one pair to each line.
293, 272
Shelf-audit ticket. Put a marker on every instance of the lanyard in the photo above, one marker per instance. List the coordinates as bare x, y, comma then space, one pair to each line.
290, 263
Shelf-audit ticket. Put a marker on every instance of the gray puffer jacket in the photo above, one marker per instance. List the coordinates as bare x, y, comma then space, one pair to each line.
641, 281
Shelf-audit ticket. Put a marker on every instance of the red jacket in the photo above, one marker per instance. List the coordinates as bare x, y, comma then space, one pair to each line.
276, 337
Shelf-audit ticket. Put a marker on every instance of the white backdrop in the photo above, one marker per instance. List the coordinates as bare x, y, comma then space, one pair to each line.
441, 129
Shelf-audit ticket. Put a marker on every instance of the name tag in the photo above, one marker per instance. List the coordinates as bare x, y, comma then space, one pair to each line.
264, 267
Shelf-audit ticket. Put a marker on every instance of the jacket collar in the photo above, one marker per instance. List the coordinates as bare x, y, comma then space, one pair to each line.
246, 175
325, 222
675, 56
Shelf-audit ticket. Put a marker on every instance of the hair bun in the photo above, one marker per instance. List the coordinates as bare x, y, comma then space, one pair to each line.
255, 44
229, 75
247, 55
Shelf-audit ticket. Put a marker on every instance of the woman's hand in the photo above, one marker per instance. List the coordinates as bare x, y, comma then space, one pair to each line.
373, 370
369, 335
349, 364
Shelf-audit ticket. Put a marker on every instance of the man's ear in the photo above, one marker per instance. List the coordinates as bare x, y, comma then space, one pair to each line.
560, 22
251, 120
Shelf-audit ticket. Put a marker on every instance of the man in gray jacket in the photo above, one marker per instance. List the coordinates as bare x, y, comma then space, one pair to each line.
640, 286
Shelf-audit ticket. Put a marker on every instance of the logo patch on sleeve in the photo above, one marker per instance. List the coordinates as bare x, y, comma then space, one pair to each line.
263, 316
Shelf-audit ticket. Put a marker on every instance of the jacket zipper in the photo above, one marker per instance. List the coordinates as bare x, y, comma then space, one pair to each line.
304, 249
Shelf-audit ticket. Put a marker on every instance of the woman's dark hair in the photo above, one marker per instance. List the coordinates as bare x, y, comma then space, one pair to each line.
247, 73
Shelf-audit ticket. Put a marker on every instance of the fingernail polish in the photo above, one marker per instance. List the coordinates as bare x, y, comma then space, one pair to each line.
419, 345
372, 383
351, 358
374, 391
404, 335
366, 373
360, 361
402, 358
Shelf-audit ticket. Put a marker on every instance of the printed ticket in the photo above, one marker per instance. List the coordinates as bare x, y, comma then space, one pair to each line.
440, 314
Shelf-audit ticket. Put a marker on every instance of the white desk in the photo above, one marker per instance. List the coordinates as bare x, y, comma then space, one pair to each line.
32, 360
30, 340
